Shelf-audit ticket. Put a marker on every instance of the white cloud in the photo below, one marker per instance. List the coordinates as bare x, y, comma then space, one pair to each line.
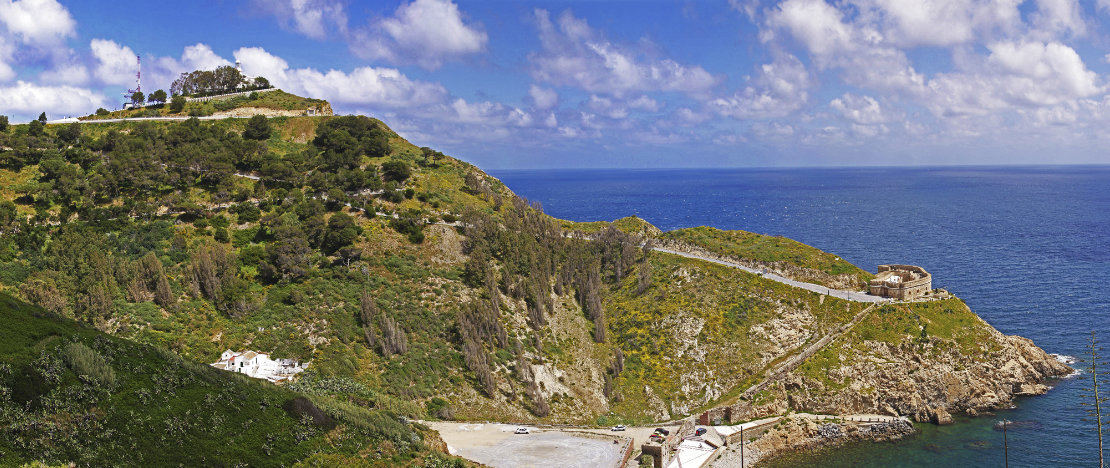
543, 98
939, 22
607, 107
25, 99
424, 32
7, 50
644, 103
71, 73
384, 87
574, 54
115, 62
858, 50
781, 88
1055, 18
815, 24
38, 22
313, 18
1044, 73
688, 116
862, 110
201, 57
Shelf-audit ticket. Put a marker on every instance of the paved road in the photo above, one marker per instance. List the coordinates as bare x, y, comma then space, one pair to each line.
849, 295
131, 119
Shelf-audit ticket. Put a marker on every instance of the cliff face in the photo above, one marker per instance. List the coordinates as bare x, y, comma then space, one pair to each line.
892, 364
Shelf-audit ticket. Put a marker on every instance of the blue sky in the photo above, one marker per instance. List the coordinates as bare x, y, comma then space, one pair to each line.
536, 84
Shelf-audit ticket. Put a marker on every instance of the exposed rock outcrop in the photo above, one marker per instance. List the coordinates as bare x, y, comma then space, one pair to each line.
928, 380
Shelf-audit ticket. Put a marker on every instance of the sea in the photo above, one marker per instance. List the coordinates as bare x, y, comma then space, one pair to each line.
1028, 249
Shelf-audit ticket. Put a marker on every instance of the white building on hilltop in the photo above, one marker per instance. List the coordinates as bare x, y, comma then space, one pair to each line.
259, 365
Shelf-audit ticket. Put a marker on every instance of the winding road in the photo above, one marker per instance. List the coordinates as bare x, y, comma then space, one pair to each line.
848, 295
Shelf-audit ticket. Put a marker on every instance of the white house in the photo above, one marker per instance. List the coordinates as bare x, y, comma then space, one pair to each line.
259, 365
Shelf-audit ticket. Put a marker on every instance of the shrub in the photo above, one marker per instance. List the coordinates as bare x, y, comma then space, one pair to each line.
102, 111
396, 170
410, 228
177, 104
301, 407
88, 364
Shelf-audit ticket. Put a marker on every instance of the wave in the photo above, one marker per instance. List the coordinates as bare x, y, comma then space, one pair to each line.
1064, 358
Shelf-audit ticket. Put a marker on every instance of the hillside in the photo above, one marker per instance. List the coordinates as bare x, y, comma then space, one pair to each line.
414, 282
69, 393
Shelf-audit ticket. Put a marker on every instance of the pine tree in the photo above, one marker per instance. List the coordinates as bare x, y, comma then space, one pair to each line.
1094, 367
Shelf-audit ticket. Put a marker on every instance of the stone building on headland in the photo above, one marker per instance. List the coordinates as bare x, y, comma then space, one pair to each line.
902, 282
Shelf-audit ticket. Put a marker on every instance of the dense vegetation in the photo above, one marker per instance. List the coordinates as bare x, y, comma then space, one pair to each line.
71, 394
225, 79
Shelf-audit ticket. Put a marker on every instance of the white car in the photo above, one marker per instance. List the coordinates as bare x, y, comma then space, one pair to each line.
619, 427
521, 430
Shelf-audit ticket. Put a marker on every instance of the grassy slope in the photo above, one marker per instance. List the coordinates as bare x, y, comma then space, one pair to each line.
763, 248
163, 410
694, 324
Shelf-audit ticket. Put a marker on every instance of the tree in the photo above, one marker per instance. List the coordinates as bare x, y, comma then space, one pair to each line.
37, 128
342, 231
227, 79
258, 128
158, 96
137, 98
1094, 410
177, 104
70, 133
102, 111
261, 83
9, 214
42, 117
3, 123
396, 170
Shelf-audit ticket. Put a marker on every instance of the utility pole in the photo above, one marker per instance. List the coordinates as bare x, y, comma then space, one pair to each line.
741, 446
1095, 407
1005, 443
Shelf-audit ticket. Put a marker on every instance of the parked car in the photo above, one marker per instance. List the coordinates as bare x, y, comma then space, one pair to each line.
521, 430
661, 431
618, 427
699, 431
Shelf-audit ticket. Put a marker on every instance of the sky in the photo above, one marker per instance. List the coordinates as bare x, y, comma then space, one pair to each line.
617, 84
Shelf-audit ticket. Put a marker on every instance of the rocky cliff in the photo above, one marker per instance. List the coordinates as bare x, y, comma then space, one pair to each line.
926, 360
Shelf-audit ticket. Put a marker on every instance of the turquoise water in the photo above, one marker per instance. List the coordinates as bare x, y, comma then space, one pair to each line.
1027, 248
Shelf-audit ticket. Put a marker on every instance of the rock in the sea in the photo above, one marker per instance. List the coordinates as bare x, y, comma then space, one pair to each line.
941, 416
830, 431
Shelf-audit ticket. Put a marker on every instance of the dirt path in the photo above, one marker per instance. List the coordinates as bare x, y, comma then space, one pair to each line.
796, 360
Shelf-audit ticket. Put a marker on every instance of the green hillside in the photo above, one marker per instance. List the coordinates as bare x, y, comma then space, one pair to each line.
69, 393
415, 283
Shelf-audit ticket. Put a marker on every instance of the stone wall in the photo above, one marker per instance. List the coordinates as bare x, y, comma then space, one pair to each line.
904, 290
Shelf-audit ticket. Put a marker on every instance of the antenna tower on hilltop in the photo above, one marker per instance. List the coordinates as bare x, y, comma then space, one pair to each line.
138, 78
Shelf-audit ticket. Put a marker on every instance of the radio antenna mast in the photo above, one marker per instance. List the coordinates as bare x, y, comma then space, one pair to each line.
138, 78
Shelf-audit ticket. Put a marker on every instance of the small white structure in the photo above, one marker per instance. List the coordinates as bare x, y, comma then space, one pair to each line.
693, 452
259, 365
